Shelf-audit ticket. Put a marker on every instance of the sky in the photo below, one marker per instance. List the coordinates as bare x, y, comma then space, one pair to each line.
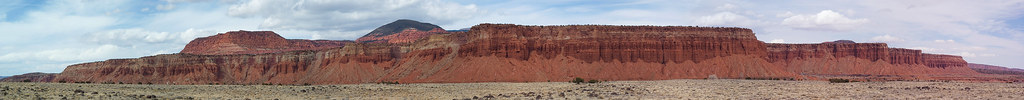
48, 35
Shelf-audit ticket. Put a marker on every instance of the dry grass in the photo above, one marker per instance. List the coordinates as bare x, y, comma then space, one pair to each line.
665, 89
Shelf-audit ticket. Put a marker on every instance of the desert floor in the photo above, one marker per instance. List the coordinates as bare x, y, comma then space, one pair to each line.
663, 89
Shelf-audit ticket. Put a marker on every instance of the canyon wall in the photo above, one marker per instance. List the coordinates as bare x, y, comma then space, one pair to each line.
406, 52
253, 42
859, 59
486, 53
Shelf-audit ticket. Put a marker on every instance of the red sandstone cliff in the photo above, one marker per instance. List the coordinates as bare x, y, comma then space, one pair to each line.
253, 42
865, 59
486, 53
516, 53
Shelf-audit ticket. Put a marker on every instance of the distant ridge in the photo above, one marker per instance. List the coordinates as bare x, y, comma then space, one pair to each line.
401, 31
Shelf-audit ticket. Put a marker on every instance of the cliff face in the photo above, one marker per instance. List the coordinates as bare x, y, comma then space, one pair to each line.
486, 53
943, 61
850, 58
516, 53
868, 51
612, 43
905, 56
31, 77
253, 42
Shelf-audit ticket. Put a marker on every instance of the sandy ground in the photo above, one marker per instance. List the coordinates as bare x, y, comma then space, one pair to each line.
664, 89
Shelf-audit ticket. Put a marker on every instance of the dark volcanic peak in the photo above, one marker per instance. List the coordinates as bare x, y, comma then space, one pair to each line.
401, 31
400, 25
841, 41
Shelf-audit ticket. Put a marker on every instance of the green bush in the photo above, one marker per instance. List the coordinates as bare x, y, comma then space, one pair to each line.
386, 82
577, 80
593, 81
26, 80
839, 80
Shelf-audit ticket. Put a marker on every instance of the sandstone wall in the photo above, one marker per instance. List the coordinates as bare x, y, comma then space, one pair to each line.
943, 61
870, 51
612, 43
849, 58
253, 42
293, 67
487, 53
904, 56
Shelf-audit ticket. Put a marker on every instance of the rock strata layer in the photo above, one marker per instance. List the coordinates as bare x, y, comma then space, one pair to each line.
486, 53
253, 42
517, 53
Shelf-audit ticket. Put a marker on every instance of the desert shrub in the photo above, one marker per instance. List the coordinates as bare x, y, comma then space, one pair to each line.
386, 82
593, 81
577, 80
26, 80
62, 81
839, 80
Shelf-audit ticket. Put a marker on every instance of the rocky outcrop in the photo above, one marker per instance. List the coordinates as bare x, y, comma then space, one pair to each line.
31, 77
486, 53
401, 31
253, 42
516, 53
904, 56
869, 51
848, 58
943, 61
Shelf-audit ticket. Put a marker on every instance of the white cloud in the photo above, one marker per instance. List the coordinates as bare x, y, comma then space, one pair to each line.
824, 20
726, 18
165, 7
967, 54
66, 54
787, 14
726, 6
777, 41
945, 41
348, 15
129, 37
886, 38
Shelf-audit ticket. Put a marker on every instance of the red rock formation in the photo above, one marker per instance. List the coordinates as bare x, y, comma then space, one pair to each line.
832, 59
869, 51
904, 56
943, 61
515, 53
253, 42
487, 53
31, 77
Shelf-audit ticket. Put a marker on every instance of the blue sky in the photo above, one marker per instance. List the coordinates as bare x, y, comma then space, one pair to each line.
46, 36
